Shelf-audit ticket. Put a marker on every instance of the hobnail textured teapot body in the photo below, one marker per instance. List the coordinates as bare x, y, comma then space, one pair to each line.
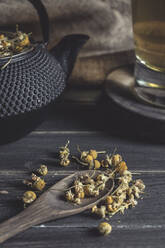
30, 82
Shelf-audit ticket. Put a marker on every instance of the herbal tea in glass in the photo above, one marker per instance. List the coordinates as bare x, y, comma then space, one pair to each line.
149, 36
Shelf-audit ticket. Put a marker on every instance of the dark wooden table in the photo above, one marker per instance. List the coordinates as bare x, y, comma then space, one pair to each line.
103, 126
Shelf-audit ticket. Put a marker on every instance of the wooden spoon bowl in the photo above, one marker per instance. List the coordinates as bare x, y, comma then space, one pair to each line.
52, 205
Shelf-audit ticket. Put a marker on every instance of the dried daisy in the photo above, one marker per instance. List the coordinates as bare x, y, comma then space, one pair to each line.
43, 170
89, 158
29, 197
105, 228
64, 155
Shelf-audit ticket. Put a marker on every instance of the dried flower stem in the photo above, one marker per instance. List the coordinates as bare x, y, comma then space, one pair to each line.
7, 63
79, 161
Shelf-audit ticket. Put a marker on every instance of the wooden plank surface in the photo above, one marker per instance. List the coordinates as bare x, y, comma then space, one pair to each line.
143, 215
87, 237
145, 218
42, 146
142, 226
104, 116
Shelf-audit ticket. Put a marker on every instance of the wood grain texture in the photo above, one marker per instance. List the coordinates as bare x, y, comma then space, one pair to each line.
88, 238
43, 147
51, 206
143, 218
144, 214
104, 116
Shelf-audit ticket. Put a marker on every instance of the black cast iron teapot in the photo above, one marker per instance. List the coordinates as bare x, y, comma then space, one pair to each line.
35, 78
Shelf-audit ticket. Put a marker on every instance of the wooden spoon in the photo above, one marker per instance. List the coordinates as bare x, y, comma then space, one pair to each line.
51, 205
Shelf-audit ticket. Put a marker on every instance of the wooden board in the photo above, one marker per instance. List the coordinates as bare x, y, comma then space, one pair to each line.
142, 226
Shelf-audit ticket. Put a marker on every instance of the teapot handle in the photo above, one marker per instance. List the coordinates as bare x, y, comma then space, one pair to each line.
43, 17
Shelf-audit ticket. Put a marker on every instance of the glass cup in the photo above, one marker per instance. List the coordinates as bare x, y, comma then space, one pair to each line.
149, 36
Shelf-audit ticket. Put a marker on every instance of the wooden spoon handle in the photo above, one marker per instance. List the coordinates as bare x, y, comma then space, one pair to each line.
21, 222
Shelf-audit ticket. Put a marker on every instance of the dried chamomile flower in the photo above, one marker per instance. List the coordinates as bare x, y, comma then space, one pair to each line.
64, 150
102, 178
81, 195
87, 180
91, 152
94, 209
139, 183
105, 163
69, 196
88, 158
131, 201
64, 162
121, 167
2, 36
97, 164
38, 183
116, 205
95, 153
110, 208
64, 155
89, 189
127, 175
137, 188
111, 161
95, 192
100, 185
105, 228
136, 191
43, 170
101, 211
24, 40
78, 195
35, 177
29, 197
78, 186
116, 159
83, 154
122, 197
109, 199
124, 186
77, 201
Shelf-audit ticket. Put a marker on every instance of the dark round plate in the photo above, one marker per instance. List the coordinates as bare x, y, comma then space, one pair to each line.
119, 86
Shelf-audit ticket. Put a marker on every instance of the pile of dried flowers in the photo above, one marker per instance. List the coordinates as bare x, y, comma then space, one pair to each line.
125, 194
37, 183
126, 191
12, 43
86, 186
